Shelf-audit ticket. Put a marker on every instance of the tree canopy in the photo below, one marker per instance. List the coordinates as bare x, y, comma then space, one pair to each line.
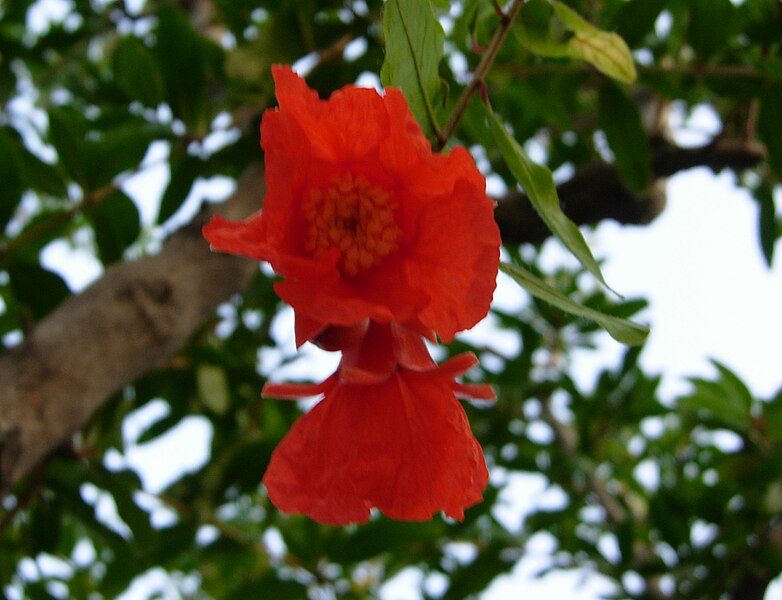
97, 94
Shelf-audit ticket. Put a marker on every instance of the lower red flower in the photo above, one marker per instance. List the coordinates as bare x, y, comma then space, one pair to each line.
387, 434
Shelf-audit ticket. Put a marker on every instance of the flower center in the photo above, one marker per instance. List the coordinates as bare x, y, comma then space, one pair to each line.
355, 216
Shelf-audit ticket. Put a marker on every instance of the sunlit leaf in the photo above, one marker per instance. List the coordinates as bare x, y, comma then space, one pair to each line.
213, 388
606, 51
621, 330
556, 30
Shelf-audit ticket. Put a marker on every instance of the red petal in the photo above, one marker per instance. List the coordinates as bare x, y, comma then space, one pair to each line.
462, 279
246, 238
294, 391
403, 446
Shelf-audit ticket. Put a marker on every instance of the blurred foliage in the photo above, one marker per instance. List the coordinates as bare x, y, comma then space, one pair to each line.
675, 499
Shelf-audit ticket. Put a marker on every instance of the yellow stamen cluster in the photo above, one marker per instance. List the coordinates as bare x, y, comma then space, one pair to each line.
355, 216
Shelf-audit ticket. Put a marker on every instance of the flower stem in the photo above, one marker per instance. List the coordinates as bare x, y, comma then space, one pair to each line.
477, 81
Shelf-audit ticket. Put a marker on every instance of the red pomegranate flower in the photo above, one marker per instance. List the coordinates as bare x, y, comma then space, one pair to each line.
388, 433
362, 220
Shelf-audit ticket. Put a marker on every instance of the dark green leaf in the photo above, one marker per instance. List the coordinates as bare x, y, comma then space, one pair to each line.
183, 173
414, 47
620, 120
38, 289
67, 129
45, 524
621, 330
711, 23
11, 189
41, 176
117, 225
636, 18
768, 227
182, 58
769, 121
117, 148
268, 586
137, 72
477, 575
727, 399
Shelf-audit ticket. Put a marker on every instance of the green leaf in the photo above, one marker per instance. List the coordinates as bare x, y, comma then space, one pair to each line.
561, 32
768, 227
183, 173
182, 58
727, 399
117, 225
606, 51
620, 120
538, 183
621, 330
769, 118
41, 176
710, 25
118, 147
11, 192
137, 72
39, 289
67, 129
212, 386
636, 18
414, 46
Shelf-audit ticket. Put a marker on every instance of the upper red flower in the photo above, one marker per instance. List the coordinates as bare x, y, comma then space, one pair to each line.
362, 220
389, 433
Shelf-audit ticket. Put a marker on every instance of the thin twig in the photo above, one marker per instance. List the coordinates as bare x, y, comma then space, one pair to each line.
506, 20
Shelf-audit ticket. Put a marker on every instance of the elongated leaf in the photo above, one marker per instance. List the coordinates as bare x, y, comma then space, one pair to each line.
620, 120
768, 227
414, 47
538, 183
621, 330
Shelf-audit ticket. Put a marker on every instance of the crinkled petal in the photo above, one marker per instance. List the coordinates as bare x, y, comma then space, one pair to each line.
456, 257
403, 446
440, 278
